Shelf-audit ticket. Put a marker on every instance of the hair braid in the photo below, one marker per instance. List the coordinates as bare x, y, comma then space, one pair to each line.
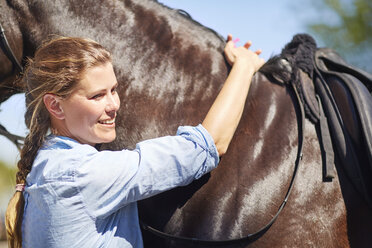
32, 144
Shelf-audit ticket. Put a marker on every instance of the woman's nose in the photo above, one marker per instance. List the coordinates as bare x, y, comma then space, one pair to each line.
113, 103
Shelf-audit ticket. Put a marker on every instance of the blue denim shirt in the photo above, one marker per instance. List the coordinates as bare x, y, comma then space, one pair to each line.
77, 196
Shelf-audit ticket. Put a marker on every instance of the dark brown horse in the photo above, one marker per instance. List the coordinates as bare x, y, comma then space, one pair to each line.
170, 69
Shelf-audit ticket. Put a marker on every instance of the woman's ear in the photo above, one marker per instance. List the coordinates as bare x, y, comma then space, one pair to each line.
53, 105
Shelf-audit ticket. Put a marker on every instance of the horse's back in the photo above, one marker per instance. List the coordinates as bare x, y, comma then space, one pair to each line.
244, 192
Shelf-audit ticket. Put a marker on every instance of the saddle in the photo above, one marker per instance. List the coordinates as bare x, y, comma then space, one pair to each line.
337, 99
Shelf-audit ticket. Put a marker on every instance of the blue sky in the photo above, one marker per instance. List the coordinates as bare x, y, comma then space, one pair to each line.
268, 24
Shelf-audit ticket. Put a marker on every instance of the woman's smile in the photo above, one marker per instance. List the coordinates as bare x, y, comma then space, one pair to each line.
109, 122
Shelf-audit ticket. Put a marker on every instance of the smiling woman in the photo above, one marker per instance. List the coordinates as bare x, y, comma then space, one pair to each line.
71, 91
93, 106
52, 75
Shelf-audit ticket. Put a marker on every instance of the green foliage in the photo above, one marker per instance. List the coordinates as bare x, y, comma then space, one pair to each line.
7, 176
351, 36
7, 182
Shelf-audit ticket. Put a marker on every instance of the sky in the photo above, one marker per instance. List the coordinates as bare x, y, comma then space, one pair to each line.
268, 24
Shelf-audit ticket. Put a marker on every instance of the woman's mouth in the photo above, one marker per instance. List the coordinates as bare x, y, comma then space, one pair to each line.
107, 122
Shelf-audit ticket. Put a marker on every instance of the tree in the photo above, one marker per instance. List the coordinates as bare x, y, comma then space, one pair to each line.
351, 35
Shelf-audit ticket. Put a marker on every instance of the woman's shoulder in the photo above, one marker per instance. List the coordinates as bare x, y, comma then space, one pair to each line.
58, 159
61, 149
63, 143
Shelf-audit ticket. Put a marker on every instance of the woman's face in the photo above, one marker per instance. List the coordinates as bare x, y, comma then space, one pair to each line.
90, 111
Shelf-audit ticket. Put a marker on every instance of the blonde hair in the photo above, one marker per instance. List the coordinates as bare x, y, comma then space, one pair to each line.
57, 67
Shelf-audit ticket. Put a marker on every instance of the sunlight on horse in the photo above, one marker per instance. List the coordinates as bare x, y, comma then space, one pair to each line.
170, 69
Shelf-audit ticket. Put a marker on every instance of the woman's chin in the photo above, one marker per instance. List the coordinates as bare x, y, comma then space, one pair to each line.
109, 138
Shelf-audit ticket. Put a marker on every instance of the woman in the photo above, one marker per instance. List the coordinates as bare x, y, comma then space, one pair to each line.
68, 194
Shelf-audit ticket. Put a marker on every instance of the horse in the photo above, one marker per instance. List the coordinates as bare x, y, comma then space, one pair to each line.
170, 69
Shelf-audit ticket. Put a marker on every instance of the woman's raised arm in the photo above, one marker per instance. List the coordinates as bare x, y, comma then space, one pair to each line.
225, 113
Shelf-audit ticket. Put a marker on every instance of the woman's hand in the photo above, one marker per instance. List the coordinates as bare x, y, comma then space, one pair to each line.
224, 115
250, 58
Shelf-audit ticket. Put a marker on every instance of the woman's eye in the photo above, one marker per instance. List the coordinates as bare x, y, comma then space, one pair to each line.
97, 96
114, 90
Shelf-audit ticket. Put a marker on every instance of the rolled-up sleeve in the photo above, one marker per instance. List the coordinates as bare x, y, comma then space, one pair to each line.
109, 180
201, 138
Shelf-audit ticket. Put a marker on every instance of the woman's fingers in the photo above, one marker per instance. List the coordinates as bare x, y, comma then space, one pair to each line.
232, 52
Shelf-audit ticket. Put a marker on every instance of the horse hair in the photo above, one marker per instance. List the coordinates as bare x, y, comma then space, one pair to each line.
186, 15
300, 53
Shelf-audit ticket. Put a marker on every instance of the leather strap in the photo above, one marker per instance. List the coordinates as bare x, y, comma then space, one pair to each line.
8, 51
